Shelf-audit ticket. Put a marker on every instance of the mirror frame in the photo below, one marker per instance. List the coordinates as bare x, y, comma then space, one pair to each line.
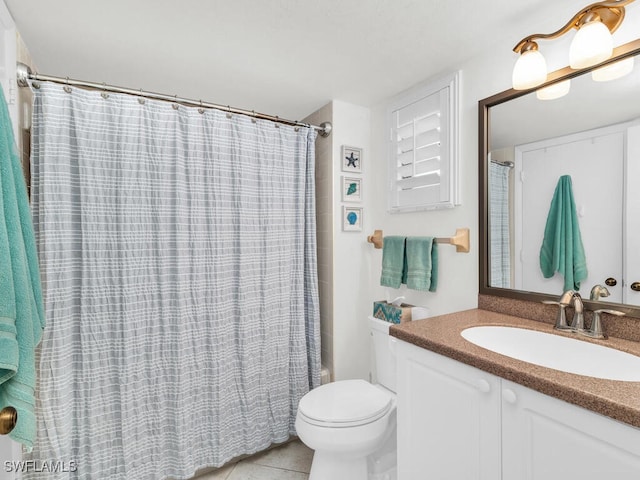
627, 50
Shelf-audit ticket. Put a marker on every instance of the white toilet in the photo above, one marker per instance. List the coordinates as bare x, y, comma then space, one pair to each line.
351, 424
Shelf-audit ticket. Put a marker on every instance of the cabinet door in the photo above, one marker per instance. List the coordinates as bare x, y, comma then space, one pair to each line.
544, 438
448, 418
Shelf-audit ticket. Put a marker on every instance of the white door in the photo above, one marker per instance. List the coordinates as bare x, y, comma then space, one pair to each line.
632, 223
595, 162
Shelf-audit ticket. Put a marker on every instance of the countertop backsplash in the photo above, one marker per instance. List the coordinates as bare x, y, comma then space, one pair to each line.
625, 327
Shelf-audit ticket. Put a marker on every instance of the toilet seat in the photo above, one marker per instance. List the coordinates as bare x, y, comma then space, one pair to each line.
347, 403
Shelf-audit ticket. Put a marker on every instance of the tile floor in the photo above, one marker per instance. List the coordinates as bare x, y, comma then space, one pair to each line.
291, 461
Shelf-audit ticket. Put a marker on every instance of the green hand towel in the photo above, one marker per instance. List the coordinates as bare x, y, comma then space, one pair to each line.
421, 272
562, 250
21, 308
392, 261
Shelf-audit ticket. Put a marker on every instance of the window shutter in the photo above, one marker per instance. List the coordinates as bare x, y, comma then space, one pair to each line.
423, 163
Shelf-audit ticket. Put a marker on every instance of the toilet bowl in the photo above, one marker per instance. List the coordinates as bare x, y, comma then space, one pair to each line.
345, 423
351, 424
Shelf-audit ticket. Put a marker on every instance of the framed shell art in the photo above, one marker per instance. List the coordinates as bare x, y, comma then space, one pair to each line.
352, 219
351, 159
351, 189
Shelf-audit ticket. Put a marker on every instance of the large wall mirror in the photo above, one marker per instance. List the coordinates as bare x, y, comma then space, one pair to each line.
591, 134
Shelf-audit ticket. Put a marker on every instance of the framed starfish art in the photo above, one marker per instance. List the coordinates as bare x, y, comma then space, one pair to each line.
351, 159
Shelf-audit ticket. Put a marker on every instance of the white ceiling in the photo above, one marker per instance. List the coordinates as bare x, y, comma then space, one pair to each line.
283, 57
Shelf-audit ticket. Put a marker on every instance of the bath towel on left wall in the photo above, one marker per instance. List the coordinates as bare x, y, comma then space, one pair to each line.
21, 309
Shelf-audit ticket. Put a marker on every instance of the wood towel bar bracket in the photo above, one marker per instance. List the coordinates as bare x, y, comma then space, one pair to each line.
460, 240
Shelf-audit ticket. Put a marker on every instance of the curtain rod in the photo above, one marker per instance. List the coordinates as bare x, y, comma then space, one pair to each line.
24, 74
505, 163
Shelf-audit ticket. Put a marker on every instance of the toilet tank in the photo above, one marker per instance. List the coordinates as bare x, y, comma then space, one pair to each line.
384, 358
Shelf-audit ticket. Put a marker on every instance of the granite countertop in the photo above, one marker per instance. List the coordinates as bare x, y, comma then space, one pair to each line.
616, 399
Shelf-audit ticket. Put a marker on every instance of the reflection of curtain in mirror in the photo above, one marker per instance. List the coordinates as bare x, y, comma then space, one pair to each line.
499, 225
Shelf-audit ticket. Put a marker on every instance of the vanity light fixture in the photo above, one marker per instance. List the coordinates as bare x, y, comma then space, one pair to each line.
553, 91
591, 45
613, 71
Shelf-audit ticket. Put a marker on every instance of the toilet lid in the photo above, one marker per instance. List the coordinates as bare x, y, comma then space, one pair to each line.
345, 403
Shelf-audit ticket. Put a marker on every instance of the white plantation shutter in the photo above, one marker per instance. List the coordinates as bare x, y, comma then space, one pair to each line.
423, 148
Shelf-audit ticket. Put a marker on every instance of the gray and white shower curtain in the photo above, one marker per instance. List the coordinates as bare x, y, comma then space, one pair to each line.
499, 237
178, 258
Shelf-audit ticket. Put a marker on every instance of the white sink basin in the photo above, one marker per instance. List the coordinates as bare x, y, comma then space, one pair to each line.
558, 352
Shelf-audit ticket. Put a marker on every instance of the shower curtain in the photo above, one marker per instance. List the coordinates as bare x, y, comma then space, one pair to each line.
500, 254
178, 258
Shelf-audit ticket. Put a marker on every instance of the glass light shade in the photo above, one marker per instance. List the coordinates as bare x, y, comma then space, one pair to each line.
529, 71
591, 45
613, 71
554, 91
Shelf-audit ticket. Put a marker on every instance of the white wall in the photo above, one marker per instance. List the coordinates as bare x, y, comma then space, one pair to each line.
352, 300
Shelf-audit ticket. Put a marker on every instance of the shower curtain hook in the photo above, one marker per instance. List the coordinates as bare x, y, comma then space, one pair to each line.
104, 94
175, 102
277, 125
141, 99
229, 112
201, 109
253, 118
67, 88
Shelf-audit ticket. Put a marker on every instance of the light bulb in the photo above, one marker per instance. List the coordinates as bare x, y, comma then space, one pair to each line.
529, 71
591, 45
613, 70
554, 91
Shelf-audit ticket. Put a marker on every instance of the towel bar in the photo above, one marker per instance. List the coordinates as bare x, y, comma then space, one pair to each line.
460, 239
8, 420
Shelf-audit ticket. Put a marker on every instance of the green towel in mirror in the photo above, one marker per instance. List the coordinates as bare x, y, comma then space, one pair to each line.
562, 250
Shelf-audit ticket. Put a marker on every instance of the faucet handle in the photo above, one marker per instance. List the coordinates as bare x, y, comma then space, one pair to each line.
561, 319
617, 313
596, 324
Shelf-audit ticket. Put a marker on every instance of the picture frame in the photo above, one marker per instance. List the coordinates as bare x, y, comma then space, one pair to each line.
351, 219
351, 159
351, 189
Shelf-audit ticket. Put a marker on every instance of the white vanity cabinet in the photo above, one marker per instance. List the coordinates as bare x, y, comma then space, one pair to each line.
448, 418
544, 438
456, 422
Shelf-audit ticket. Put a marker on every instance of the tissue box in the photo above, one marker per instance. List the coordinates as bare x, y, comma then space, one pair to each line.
390, 313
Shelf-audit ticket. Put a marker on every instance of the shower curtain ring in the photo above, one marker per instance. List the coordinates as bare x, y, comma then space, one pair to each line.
201, 109
253, 118
229, 112
141, 99
277, 125
67, 88
175, 100
104, 94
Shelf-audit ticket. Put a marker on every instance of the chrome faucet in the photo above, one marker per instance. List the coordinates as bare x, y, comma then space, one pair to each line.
598, 291
577, 323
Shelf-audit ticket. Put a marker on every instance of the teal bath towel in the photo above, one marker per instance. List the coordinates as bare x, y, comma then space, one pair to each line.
393, 261
21, 307
421, 264
562, 250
